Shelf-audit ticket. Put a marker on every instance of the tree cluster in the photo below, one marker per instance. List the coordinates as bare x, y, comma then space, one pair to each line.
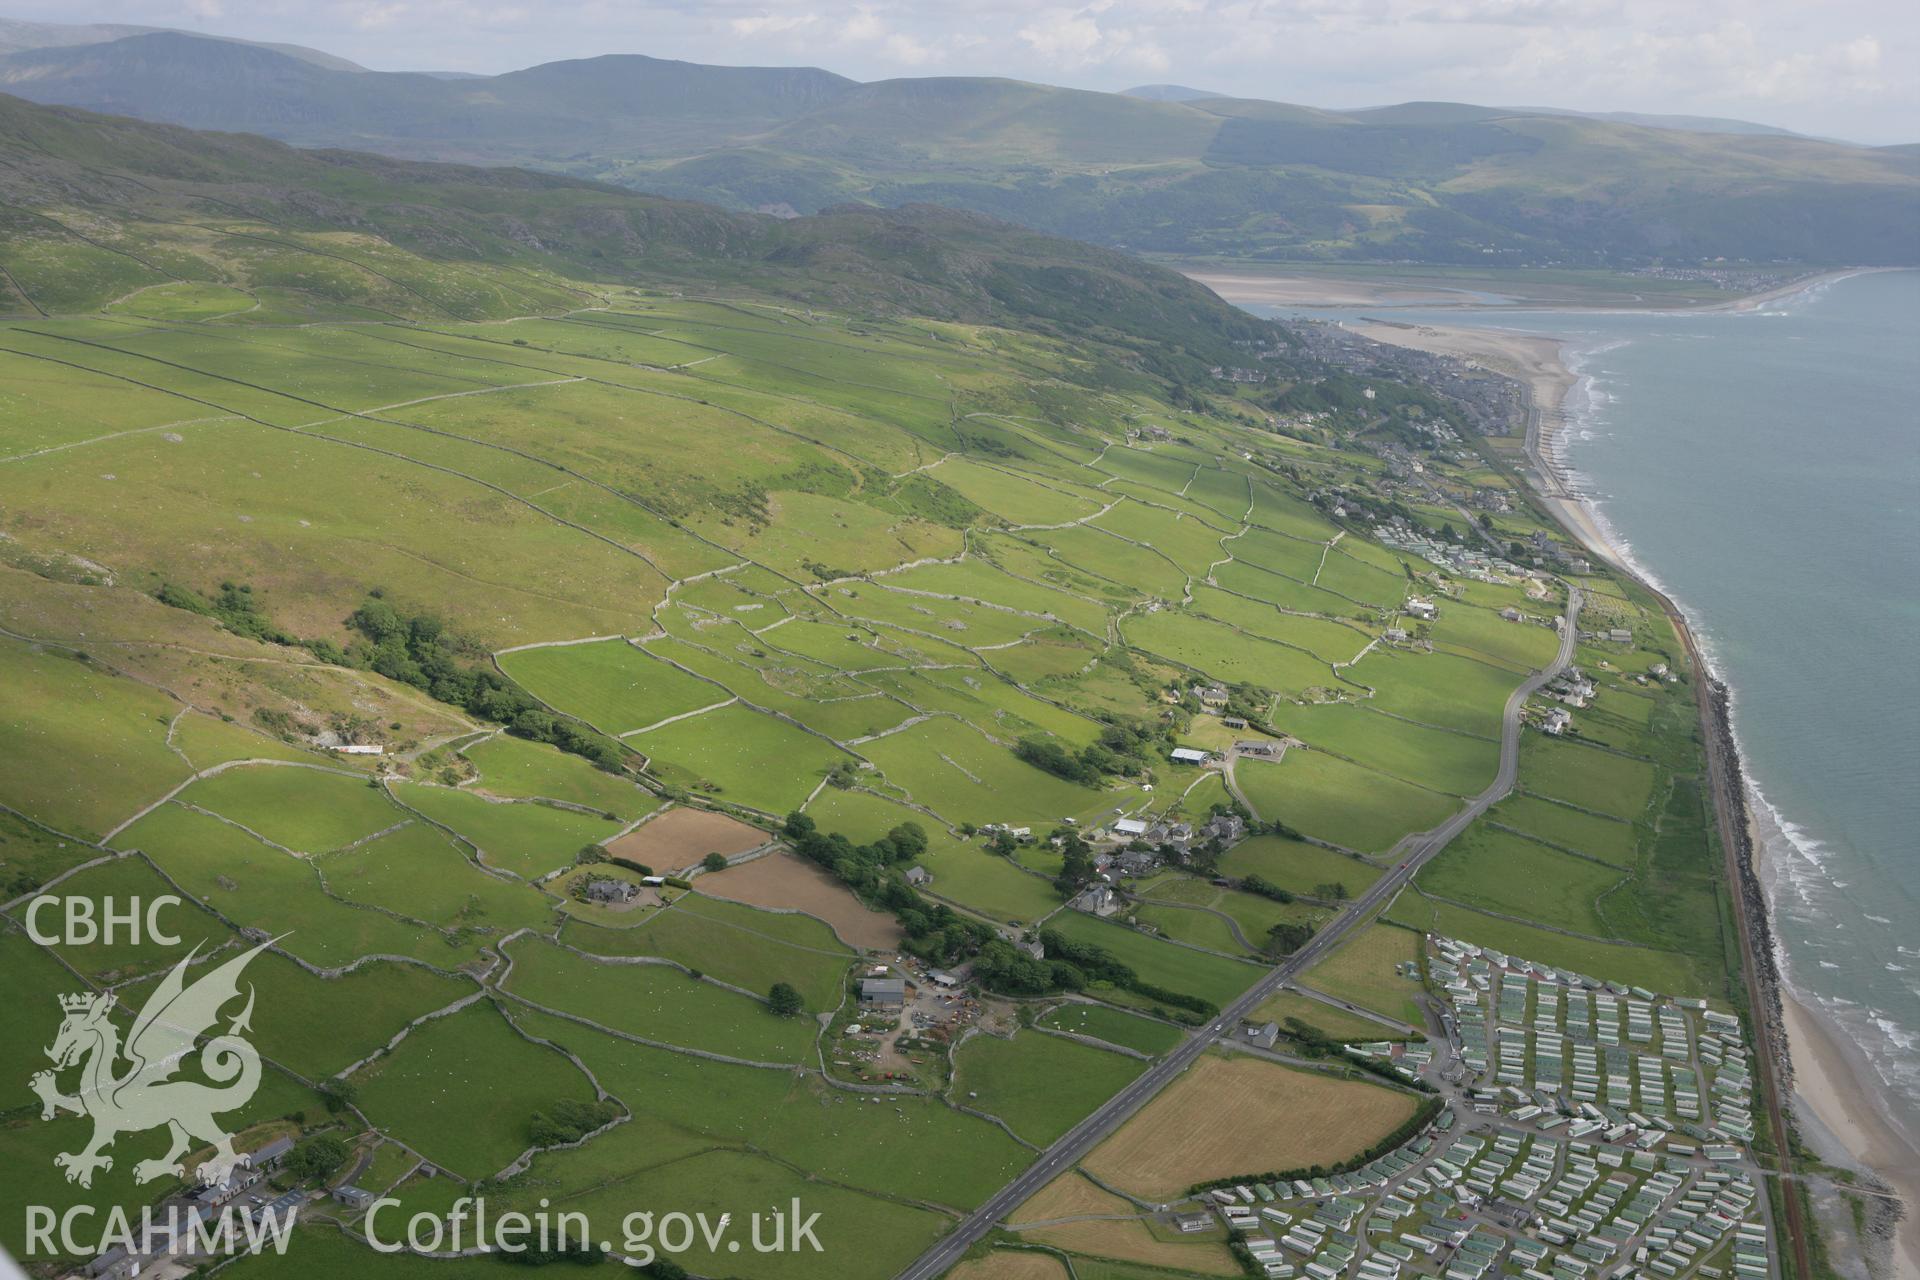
1123, 747
419, 650
569, 1120
874, 871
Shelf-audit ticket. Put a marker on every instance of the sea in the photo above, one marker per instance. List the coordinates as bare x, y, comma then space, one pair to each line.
1763, 469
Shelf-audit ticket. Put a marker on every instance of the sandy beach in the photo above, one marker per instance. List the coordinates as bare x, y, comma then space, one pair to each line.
1256, 288
1250, 289
1836, 1097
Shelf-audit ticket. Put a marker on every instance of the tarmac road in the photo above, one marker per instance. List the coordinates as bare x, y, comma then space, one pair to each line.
1409, 855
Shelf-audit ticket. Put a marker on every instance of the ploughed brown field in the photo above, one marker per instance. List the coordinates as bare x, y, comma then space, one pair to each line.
1004, 1264
1108, 1227
1227, 1116
781, 880
679, 838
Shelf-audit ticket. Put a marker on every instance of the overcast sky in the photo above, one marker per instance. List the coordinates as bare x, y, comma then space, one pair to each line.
1847, 68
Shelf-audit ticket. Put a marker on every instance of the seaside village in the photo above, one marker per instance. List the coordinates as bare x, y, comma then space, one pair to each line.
1572, 1129
1581, 1130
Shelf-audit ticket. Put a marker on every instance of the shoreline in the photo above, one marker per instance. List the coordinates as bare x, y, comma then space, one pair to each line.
1310, 293
1834, 1091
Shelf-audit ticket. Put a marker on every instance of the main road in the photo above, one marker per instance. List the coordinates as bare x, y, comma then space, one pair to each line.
1409, 855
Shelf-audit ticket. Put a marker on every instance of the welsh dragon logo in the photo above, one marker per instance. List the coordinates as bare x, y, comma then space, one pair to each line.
142, 1095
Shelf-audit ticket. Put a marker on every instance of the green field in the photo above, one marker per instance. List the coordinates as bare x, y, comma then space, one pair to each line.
1297, 866
657, 1002
304, 810
517, 768
1332, 800
244, 879
741, 756
610, 684
794, 1118
1363, 971
1585, 776
1510, 874
1115, 1027
420, 872
957, 773
735, 944
1564, 825
1162, 963
462, 1090
1040, 1085
1663, 971
527, 838
1323, 1017
80, 750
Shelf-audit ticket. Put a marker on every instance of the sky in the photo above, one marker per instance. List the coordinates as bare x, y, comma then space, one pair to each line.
1839, 68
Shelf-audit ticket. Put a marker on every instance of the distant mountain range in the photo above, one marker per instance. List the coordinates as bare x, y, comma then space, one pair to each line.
92, 207
1162, 168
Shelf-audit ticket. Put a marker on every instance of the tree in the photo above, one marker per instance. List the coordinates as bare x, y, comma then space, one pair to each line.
339, 1094
1288, 937
317, 1157
714, 862
784, 999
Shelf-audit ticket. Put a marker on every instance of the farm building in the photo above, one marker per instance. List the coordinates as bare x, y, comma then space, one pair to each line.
883, 993
1426, 609
919, 876
1263, 1035
1190, 755
361, 749
1129, 827
1258, 747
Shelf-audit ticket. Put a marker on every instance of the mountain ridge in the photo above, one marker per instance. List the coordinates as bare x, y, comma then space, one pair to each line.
1424, 182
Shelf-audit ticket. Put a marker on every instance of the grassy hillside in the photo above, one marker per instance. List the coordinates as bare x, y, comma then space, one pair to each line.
301, 450
1430, 182
396, 238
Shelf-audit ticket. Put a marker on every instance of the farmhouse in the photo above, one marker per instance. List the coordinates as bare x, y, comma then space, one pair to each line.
1557, 721
1426, 609
883, 993
607, 889
919, 876
1263, 1035
1211, 695
1257, 747
1137, 863
1190, 755
1098, 901
1227, 828
1510, 613
1395, 635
